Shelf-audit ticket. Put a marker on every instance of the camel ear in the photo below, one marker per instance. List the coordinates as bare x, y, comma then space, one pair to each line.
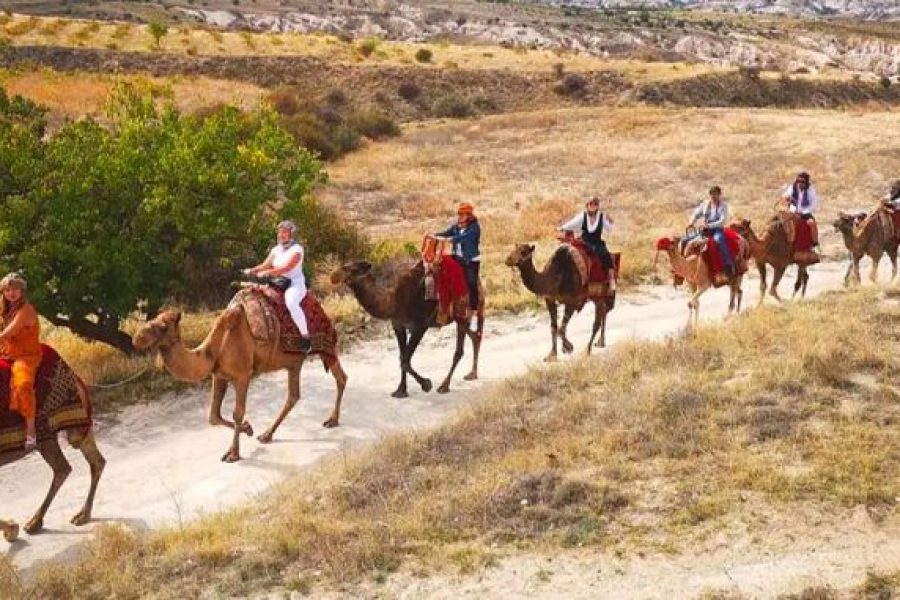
530, 248
176, 317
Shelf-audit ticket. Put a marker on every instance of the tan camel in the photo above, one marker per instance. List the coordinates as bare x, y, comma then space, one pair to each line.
231, 354
871, 236
695, 272
53, 456
774, 248
411, 314
560, 283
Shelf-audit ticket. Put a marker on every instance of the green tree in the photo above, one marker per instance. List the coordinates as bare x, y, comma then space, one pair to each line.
105, 221
158, 30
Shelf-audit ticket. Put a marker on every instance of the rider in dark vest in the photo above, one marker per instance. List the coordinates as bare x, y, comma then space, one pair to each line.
590, 225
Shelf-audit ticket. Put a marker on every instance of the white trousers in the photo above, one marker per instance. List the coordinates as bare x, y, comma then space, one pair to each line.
292, 297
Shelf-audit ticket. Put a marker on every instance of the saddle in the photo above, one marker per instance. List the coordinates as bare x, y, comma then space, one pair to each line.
799, 236
59, 406
710, 254
444, 281
591, 271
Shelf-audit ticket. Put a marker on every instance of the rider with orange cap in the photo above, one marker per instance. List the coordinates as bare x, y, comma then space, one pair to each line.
465, 235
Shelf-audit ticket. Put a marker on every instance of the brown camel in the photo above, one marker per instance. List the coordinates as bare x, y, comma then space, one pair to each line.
232, 355
560, 283
696, 273
871, 235
53, 456
405, 305
774, 248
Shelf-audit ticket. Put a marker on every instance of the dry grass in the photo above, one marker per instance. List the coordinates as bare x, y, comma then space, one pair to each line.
660, 451
73, 95
527, 172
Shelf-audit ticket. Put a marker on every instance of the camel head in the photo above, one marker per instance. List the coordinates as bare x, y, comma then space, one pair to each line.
742, 227
350, 271
666, 245
847, 221
519, 255
160, 332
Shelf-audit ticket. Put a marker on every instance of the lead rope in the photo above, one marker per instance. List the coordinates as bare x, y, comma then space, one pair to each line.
119, 383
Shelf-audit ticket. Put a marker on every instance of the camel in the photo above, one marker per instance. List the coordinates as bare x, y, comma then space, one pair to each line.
695, 272
773, 248
868, 235
232, 355
560, 283
52, 454
405, 305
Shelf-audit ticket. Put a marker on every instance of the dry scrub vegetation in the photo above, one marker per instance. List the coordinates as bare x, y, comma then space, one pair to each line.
653, 448
527, 172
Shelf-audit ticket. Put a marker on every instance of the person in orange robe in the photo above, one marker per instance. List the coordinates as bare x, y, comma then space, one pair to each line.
19, 343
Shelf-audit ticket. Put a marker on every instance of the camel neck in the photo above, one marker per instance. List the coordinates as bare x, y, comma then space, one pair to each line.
685, 267
374, 300
191, 365
534, 281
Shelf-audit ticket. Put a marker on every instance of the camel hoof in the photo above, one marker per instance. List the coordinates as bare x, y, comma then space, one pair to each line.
33, 526
231, 457
82, 518
400, 394
568, 347
247, 429
443, 389
471, 376
550, 358
330, 424
426, 385
11, 533
265, 438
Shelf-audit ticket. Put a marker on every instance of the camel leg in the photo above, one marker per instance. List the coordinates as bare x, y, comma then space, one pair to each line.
52, 454
892, 255
292, 398
601, 343
778, 273
87, 444
552, 308
873, 274
400, 333
567, 346
340, 380
217, 395
599, 321
10, 530
240, 408
476, 337
763, 287
414, 339
798, 284
457, 355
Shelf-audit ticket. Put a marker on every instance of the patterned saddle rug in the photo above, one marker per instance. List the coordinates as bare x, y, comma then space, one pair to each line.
59, 406
271, 322
592, 272
712, 256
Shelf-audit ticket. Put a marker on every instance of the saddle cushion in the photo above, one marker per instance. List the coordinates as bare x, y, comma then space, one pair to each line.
712, 256
450, 283
590, 269
270, 320
59, 406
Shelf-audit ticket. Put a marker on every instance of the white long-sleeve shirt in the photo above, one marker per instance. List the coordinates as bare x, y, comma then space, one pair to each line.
576, 223
716, 216
812, 200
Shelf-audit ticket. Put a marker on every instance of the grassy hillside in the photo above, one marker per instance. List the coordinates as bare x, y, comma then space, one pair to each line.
653, 448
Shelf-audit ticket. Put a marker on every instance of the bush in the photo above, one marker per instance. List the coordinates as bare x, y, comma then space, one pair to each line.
284, 101
424, 55
559, 69
373, 124
157, 30
452, 106
885, 82
311, 133
336, 97
368, 46
409, 91
573, 85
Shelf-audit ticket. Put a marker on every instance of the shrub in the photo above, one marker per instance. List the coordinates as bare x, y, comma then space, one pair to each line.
367, 46
373, 124
452, 106
751, 73
424, 55
885, 82
346, 139
409, 91
284, 101
157, 30
573, 85
559, 69
336, 97
312, 134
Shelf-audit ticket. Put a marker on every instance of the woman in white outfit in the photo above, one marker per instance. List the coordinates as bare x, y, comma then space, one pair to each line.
286, 260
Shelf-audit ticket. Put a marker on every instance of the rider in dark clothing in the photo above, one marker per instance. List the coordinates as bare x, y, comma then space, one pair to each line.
590, 225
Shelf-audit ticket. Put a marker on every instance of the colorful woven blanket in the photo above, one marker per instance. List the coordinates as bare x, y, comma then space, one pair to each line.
59, 406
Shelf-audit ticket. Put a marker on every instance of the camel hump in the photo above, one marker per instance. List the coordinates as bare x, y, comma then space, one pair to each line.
571, 267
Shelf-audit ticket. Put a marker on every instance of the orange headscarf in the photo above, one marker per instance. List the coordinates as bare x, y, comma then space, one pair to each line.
465, 208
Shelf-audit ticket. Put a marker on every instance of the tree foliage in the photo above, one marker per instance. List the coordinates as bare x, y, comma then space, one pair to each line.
104, 220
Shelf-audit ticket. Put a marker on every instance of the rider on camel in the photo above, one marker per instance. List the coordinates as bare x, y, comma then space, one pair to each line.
465, 235
892, 198
712, 216
286, 260
803, 200
591, 224
20, 344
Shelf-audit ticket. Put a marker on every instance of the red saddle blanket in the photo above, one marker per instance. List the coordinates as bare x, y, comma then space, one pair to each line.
597, 273
802, 236
450, 283
59, 406
713, 255
269, 319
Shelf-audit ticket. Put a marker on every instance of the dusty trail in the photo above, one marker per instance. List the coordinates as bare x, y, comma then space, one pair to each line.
163, 458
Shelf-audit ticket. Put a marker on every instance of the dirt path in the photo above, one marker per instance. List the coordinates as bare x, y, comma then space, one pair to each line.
164, 463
